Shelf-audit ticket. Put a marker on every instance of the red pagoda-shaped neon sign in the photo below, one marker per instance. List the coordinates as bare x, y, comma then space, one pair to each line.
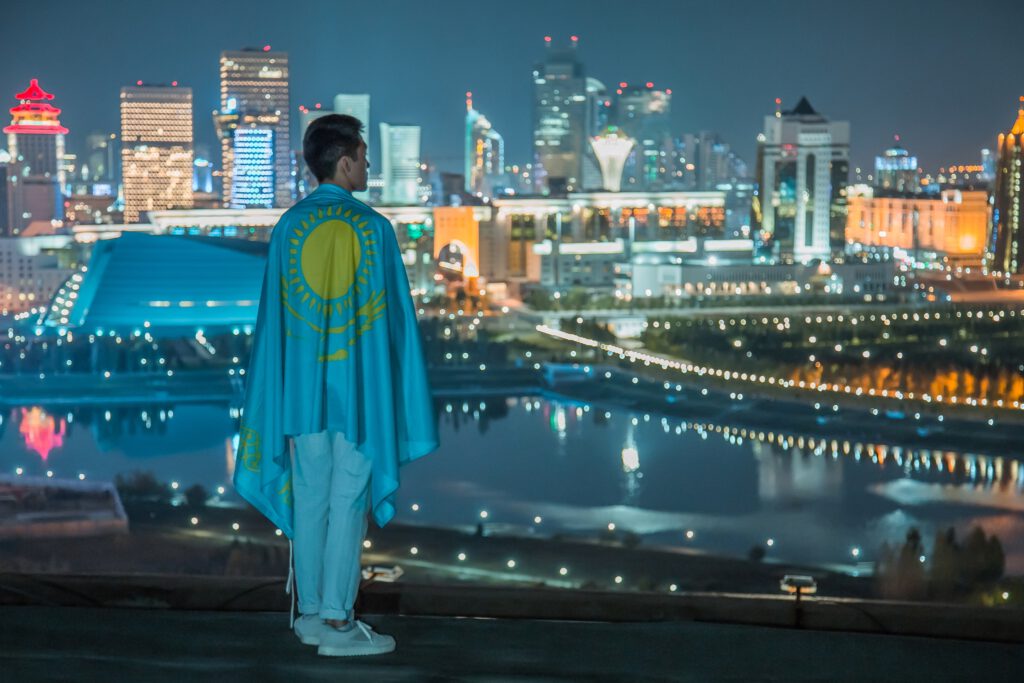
34, 115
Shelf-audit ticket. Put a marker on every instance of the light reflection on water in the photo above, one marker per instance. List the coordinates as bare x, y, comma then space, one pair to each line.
580, 468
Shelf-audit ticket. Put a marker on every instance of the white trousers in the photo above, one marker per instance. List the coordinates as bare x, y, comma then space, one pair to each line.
331, 488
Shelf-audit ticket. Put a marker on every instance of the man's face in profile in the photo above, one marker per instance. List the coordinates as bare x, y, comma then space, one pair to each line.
360, 168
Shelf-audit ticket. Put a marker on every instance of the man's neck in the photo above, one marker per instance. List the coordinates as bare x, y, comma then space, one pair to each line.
343, 184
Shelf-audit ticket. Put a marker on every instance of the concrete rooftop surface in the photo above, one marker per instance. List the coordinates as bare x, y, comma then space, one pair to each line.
159, 627
45, 643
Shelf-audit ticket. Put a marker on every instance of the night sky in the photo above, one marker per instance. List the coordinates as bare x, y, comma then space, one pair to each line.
944, 74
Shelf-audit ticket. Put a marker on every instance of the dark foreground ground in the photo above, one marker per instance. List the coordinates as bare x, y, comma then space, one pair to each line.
103, 644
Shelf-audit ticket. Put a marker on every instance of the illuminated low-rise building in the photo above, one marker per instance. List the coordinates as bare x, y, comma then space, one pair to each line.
31, 270
423, 232
161, 283
507, 243
951, 227
695, 267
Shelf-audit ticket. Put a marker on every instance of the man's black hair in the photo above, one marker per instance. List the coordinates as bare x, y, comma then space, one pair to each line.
328, 139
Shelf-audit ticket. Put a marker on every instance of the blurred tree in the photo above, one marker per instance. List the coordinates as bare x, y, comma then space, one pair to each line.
196, 495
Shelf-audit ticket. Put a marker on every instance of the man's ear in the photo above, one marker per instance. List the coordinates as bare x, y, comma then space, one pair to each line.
344, 166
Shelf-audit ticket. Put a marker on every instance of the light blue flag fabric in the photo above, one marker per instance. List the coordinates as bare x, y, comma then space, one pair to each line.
336, 348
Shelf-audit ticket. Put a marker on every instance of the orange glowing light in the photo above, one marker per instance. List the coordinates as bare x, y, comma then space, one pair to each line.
40, 431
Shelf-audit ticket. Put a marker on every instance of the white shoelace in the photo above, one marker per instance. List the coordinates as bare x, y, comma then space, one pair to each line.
367, 631
290, 589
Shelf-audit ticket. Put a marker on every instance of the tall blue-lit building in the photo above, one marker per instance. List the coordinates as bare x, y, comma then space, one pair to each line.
254, 95
255, 175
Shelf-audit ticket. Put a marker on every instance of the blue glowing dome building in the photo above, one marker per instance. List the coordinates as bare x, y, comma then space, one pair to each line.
169, 285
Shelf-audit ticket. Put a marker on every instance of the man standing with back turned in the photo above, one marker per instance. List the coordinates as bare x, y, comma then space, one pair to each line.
337, 396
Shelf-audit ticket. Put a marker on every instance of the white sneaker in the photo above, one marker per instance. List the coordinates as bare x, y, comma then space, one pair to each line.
309, 628
354, 639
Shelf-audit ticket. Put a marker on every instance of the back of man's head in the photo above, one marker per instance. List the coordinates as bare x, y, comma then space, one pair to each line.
328, 139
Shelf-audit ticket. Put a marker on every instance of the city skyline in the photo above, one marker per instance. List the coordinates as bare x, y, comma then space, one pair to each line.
715, 83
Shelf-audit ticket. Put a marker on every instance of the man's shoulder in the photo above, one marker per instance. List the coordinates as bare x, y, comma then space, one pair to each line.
311, 210
365, 212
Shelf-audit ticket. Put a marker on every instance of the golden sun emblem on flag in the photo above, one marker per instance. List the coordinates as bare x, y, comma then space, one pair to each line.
327, 283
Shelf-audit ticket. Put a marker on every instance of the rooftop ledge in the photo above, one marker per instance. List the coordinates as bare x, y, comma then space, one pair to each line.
266, 594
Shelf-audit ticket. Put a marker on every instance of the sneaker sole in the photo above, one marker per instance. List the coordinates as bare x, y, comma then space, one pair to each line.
309, 640
328, 651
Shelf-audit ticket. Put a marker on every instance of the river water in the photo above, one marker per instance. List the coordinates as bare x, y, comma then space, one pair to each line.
579, 468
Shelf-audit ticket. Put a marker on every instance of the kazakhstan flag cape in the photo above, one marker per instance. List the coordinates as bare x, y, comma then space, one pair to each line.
336, 348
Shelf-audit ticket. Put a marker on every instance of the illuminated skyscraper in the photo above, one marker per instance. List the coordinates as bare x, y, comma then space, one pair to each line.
35, 141
254, 94
6, 213
642, 113
714, 161
896, 169
988, 165
101, 157
400, 163
485, 152
202, 175
253, 181
1008, 205
598, 111
156, 149
559, 120
803, 169
305, 182
612, 148
357, 105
